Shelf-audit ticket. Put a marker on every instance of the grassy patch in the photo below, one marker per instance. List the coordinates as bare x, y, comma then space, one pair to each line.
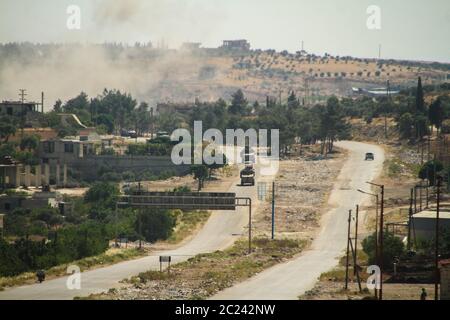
396, 167
338, 273
187, 223
110, 257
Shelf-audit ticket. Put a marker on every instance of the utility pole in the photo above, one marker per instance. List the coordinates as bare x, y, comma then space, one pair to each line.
415, 199
22, 95
376, 230
381, 242
355, 252
356, 234
273, 210
348, 248
388, 89
436, 254
410, 219
42, 102
428, 167
152, 123
140, 218
420, 196
376, 227
380, 260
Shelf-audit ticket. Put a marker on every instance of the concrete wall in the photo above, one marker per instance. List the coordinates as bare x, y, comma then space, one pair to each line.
425, 228
90, 166
10, 203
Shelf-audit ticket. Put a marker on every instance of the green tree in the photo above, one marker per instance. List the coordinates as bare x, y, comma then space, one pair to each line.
200, 172
392, 247
29, 143
436, 114
420, 103
293, 101
7, 129
430, 169
102, 194
57, 107
406, 125
332, 124
420, 113
238, 103
154, 224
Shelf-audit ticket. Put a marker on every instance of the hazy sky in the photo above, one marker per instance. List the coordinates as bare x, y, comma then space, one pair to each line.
410, 29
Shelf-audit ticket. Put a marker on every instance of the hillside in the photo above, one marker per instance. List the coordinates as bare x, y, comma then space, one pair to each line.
155, 75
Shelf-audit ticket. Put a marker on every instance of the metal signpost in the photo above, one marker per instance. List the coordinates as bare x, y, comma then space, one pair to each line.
162, 259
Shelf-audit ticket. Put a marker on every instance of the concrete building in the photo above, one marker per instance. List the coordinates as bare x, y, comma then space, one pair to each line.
14, 174
8, 173
60, 151
241, 44
424, 223
9, 203
42, 133
85, 161
27, 111
17, 108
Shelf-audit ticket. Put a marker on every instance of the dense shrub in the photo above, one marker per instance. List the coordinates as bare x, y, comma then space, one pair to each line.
155, 224
65, 245
392, 247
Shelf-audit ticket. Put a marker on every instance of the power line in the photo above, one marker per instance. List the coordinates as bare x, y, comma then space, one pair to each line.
22, 95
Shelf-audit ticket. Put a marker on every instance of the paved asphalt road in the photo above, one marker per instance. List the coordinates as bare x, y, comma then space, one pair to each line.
219, 232
289, 280
285, 281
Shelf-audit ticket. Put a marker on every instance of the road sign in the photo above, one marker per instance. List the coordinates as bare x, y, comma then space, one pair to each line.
165, 258
184, 200
162, 259
190, 201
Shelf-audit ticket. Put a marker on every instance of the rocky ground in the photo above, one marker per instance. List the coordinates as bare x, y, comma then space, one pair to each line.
205, 274
301, 190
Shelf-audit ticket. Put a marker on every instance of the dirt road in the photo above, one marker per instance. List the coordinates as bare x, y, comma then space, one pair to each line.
289, 280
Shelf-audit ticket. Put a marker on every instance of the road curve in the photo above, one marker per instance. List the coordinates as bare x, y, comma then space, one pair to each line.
289, 280
219, 232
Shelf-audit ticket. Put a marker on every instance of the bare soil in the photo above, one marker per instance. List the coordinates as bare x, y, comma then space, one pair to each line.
302, 187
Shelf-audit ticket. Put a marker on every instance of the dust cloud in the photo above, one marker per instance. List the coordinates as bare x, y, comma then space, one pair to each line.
149, 73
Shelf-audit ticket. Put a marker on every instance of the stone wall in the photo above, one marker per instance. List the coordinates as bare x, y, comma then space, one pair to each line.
90, 166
